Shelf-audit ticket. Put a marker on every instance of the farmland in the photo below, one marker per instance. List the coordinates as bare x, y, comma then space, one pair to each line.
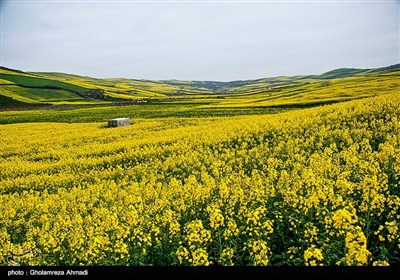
298, 170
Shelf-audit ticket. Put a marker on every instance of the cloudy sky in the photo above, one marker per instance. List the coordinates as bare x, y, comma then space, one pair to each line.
196, 40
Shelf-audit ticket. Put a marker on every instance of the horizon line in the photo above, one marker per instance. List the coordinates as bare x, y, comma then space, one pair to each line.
195, 80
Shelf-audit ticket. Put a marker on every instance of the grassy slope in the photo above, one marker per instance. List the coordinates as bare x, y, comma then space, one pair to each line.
283, 92
34, 95
318, 92
27, 81
296, 97
129, 88
9, 102
28, 89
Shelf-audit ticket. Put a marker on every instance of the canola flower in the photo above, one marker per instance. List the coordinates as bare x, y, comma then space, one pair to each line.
313, 256
316, 186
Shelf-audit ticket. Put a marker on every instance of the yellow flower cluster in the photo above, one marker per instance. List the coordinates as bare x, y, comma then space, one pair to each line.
216, 217
196, 238
231, 229
389, 231
317, 186
259, 252
227, 257
356, 245
196, 234
313, 256
343, 220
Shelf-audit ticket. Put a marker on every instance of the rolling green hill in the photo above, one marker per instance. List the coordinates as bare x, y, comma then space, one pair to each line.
27, 88
27, 81
6, 102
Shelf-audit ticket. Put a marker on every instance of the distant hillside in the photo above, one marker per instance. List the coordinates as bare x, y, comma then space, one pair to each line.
350, 72
341, 73
20, 88
277, 83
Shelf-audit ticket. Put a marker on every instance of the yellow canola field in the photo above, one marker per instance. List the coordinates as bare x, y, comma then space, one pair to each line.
309, 187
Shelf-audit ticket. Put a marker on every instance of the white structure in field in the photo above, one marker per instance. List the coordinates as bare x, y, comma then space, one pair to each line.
119, 122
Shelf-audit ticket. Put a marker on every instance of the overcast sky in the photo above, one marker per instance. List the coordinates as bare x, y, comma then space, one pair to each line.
220, 41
